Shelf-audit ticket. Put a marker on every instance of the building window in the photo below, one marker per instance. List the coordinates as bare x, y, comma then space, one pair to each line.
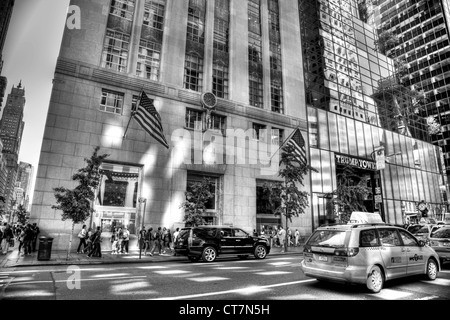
154, 14
193, 73
122, 8
196, 23
258, 132
134, 102
221, 35
276, 97
220, 81
149, 56
115, 51
277, 136
256, 91
195, 178
111, 101
194, 119
218, 123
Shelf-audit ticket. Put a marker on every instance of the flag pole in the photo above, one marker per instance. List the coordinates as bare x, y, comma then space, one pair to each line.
132, 114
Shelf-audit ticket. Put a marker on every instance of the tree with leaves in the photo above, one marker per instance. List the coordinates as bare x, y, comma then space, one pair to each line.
284, 197
386, 40
76, 204
349, 195
197, 196
21, 214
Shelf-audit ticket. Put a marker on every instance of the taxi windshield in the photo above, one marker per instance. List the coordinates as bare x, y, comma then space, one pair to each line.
328, 238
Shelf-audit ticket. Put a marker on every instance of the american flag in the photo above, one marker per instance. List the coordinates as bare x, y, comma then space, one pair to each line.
297, 142
150, 120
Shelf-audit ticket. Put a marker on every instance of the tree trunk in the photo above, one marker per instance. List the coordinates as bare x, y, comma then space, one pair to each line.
70, 240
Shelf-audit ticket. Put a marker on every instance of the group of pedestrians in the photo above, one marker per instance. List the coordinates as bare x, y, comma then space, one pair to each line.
25, 235
91, 242
162, 240
279, 237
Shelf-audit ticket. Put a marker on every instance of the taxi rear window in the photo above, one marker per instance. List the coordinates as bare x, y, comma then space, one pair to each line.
328, 238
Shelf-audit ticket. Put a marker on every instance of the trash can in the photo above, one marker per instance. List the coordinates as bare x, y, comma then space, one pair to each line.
45, 248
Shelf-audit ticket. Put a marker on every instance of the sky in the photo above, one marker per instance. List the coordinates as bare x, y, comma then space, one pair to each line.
30, 53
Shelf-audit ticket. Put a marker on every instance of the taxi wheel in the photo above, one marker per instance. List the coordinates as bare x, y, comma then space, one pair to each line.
375, 280
209, 254
260, 252
432, 269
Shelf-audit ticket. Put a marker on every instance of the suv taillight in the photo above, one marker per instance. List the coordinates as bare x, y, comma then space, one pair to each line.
307, 249
347, 252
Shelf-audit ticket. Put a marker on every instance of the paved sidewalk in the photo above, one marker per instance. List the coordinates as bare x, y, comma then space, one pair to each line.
13, 259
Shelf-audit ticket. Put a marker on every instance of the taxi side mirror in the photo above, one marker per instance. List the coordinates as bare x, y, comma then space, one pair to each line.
421, 243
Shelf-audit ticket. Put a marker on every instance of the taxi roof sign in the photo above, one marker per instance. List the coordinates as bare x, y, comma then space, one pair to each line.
365, 217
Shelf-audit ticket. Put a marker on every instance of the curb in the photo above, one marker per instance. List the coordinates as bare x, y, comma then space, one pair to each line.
133, 260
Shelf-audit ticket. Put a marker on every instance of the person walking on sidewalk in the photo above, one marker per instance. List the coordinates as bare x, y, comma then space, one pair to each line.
28, 239
282, 237
141, 238
157, 243
125, 240
82, 235
7, 237
88, 241
96, 250
21, 239
175, 238
297, 237
149, 240
114, 241
36, 232
167, 239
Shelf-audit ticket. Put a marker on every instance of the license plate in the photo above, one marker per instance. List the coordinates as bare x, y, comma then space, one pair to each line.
323, 258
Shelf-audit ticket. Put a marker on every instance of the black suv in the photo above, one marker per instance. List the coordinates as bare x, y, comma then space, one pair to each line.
208, 242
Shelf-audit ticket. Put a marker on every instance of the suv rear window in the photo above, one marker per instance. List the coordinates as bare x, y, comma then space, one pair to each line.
328, 238
441, 233
184, 234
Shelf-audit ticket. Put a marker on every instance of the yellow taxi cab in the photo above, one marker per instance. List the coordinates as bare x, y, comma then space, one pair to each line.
367, 251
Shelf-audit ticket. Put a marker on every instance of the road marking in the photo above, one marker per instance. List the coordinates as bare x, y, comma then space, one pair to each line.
240, 291
165, 272
231, 268
281, 263
206, 279
110, 275
272, 273
63, 281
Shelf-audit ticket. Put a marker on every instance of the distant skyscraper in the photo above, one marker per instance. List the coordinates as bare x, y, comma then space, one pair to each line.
11, 130
23, 183
6, 9
422, 28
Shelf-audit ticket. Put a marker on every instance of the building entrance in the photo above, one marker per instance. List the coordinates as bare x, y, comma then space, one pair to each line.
351, 171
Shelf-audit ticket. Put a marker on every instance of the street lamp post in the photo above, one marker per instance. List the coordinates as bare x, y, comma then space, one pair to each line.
141, 200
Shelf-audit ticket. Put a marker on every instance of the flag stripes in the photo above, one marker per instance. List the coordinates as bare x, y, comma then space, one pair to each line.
298, 143
149, 119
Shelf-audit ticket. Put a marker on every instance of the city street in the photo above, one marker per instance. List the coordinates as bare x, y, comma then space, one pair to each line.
274, 278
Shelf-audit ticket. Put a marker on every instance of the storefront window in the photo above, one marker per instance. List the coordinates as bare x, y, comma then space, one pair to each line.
116, 198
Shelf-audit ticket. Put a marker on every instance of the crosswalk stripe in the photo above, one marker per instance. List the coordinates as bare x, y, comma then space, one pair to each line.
207, 279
